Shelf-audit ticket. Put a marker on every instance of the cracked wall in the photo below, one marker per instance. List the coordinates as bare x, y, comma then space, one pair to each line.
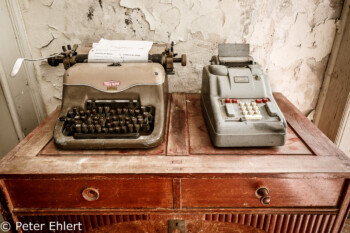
291, 39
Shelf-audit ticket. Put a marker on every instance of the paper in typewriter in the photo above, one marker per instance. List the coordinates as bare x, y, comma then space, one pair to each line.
120, 51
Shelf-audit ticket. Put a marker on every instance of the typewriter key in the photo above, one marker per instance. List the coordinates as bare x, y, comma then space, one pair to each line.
143, 108
78, 128
131, 111
125, 110
100, 110
119, 111
122, 117
84, 128
83, 118
77, 121
75, 110
94, 111
98, 128
131, 128
113, 111
102, 122
82, 112
108, 125
111, 130
134, 120
137, 111
108, 119
127, 118
140, 120
115, 123
117, 129
105, 130
106, 108
91, 128
137, 128
88, 112
114, 118
124, 130
122, 123
70, 114
89, 120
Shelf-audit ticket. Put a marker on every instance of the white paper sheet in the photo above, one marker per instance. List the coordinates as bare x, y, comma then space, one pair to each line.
120, 51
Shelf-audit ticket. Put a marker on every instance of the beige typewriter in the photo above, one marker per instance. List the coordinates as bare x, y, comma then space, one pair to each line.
108, 105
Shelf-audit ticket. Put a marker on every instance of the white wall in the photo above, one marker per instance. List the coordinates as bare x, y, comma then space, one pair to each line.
292, 39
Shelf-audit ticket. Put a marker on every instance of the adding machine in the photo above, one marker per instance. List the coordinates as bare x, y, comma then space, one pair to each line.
237, 102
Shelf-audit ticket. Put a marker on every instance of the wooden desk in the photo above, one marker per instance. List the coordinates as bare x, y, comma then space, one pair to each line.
183, 178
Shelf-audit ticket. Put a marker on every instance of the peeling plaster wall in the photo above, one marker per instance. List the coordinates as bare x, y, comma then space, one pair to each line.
291, 39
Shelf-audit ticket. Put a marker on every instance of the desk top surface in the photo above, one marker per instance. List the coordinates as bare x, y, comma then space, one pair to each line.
186, 150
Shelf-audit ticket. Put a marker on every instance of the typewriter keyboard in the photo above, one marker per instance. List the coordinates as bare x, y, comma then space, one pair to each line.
107, 119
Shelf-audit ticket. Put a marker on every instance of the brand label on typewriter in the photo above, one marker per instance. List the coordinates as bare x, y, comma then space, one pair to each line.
111, 85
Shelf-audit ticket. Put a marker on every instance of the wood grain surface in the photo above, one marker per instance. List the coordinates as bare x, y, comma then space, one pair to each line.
114, 193
242, 192
188, 150
162, 227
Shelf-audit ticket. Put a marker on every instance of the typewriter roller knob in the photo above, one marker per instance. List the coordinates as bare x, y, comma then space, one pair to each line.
183, 59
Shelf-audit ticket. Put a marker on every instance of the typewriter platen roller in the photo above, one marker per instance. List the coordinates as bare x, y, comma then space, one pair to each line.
107, 105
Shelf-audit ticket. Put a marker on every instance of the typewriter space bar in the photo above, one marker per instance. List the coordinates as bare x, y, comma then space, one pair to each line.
106, 135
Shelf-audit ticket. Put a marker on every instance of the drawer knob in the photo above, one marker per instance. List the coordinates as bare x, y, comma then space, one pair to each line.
90, 194
263, 194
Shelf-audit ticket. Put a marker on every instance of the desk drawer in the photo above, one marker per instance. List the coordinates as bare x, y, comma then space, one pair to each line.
243, 192
90, 193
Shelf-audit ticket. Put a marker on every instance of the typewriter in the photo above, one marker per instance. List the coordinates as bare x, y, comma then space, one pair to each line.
110, 105
237, 102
